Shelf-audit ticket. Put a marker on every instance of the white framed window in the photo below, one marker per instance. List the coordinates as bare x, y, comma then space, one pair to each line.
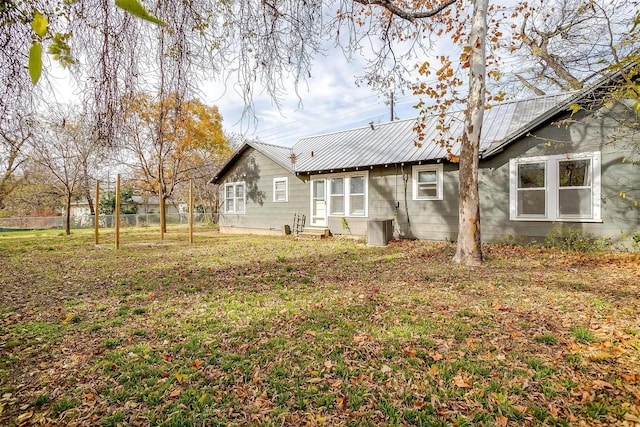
556, 188
280, 190
427, 182
234, 197
347, 194
336, 196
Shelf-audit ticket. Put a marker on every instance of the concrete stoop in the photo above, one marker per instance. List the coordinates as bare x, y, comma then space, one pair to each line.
311, 233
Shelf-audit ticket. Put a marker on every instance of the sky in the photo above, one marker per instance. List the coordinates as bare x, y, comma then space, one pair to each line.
330, 101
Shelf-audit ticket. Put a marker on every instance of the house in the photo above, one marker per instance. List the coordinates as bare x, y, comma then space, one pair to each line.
146, 205
540, 167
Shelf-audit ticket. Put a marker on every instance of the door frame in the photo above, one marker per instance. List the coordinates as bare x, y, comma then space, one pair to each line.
319, 220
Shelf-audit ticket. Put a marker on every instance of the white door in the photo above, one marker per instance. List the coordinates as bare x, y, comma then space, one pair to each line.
318, 203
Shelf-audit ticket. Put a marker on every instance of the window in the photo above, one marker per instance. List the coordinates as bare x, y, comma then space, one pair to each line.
556, 188
234, 197
427, 182
347, 194
356, 196
280, 190
336, 198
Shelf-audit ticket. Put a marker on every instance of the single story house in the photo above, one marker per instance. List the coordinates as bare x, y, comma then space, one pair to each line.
146, 205
542, 165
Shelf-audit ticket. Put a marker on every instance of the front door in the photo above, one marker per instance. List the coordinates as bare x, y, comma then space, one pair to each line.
318, 203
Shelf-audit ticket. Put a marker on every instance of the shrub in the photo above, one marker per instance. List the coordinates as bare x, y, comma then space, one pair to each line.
568, 238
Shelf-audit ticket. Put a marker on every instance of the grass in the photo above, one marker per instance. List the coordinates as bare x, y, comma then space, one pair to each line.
240, 330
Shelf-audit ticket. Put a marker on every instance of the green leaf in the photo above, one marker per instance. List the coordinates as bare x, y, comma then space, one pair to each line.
35, 62
60, 49
136, 8
39, 24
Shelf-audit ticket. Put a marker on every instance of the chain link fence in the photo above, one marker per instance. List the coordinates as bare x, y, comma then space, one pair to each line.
105, 221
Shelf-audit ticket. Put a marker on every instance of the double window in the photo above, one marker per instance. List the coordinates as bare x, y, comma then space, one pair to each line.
234, 198
556, 188
280, 190
427, 182
348, 195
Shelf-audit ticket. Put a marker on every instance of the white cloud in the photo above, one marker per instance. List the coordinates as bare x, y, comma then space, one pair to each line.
329, 101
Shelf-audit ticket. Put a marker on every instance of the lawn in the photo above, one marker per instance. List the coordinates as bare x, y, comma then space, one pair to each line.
240, 330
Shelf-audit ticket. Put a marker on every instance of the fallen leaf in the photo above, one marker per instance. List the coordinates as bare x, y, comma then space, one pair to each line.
501, 420
599, 384
461, 382
409, 352
385, 369
23, 417
175, 394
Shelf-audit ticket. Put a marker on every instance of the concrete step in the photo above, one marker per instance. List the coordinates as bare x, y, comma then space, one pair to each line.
311, 233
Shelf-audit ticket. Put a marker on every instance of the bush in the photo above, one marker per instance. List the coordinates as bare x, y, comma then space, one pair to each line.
568, 238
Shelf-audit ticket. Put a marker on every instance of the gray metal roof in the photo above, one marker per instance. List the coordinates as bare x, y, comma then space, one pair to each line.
393, 142
280, 155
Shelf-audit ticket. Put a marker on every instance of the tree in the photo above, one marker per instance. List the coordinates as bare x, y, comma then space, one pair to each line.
15, 132
61, 148
172, 142
567, 44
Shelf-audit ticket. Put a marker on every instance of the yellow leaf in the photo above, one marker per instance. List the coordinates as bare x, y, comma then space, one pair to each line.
574, 108
39, 24
202, 398
68, 319
35, 62
136, 8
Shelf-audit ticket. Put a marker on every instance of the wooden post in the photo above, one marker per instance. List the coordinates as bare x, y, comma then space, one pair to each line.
96, 215
117, 211
191, 211
161, 206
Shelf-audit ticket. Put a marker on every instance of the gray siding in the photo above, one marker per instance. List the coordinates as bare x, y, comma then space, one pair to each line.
262, 213
390, 190
620, 218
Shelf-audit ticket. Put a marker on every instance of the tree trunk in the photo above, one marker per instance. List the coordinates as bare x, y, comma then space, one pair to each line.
469, 249
67, 215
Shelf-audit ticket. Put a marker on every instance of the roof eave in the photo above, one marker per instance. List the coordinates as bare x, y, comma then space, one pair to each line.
554, 112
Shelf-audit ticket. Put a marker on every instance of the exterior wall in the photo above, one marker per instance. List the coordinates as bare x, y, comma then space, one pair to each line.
391, 196
620, 218
261, 212
390, 191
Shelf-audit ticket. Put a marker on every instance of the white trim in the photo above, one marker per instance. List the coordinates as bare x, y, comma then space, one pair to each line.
552, 187
286, 189
318, 220
235, 210
416, 169
346, 195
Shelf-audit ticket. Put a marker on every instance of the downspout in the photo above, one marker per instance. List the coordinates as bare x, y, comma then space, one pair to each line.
405, 178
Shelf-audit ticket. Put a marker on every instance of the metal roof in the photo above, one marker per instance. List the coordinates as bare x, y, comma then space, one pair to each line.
277, 153
393, 142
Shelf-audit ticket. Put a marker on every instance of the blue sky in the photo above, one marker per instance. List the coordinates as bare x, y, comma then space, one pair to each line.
329, 101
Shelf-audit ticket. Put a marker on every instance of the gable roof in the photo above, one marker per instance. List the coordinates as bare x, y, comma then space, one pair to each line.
393, 142
278, 154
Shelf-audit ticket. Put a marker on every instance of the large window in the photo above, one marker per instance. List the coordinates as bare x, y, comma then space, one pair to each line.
347, 194
280, 190
234, 197
556, 188
427, 182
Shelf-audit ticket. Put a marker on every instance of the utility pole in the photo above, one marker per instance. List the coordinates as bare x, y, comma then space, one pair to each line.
391, 104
